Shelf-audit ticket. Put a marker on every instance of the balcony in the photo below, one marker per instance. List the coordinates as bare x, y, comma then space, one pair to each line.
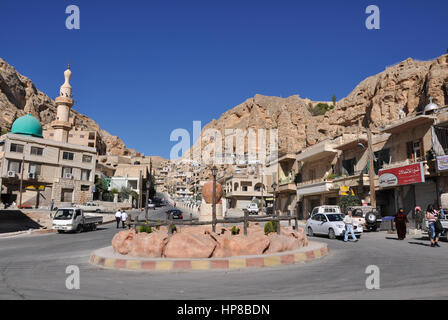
287, 185
241, 193
409, 123
316, 152
314, 187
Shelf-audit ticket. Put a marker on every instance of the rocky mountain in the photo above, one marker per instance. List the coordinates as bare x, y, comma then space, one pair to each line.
407, 86
19, 96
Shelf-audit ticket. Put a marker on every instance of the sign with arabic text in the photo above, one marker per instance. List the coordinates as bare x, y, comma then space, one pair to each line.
410, 174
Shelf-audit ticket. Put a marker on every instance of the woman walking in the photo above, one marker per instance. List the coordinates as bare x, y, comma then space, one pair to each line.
432, 216
400, 221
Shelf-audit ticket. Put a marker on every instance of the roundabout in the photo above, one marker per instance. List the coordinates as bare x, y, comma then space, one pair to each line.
108, 258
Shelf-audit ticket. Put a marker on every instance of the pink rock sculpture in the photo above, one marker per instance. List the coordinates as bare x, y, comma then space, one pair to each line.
207, 192
122, 242
200, 242
182, 245
149, 245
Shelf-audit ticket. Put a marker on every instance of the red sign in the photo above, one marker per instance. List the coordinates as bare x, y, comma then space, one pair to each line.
413, 173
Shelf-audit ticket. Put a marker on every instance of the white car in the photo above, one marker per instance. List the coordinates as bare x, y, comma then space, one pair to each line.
325, 209
331, 225
91, 207
252, 208
151, 205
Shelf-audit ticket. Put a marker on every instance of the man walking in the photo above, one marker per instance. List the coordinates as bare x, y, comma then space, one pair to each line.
348, 221
124, 217
118, 217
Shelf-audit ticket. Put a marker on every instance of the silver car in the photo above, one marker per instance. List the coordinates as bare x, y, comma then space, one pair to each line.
330, 224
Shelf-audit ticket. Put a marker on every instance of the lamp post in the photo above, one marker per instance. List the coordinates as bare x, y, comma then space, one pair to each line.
148, 186
274, 187
214, 173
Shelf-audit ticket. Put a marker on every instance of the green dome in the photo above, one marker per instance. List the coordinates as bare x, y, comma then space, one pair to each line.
27, 125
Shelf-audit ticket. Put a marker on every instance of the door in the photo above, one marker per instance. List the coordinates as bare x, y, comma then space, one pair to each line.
318, 219
78, 217
425, 194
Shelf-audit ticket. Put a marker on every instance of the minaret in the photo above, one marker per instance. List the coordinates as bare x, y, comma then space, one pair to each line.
62, 125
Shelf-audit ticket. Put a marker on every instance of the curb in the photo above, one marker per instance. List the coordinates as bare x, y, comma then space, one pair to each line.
106, 260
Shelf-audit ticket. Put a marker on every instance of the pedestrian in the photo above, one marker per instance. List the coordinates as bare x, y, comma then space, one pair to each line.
418, 218
348, 221
400, 222
174, 204
434, 234
124, 217
51, 205
118, 217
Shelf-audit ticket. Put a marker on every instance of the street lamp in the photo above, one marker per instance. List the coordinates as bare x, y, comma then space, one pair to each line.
148, 186
214, 173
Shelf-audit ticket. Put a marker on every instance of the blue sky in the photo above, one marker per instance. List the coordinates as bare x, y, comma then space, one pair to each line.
144, 68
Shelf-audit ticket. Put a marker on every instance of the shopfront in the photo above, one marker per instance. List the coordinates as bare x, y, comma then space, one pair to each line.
409, 186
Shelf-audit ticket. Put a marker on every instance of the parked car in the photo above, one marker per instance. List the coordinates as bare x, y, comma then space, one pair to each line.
252, 208
367, 216
330, 224
177, 214
91, 207
325, 209
74, 219
151, 205
269, 210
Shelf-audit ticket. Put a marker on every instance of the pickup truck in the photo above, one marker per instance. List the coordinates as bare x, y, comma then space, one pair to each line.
91, 207
74, 219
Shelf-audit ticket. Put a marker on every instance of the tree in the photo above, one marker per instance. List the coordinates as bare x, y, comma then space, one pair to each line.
334, 100
348, 201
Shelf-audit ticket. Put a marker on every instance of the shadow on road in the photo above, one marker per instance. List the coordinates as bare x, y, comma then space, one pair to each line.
16, 220
420, 243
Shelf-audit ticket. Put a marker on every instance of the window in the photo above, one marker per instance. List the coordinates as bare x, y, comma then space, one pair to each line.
85, 175
15, 166
380, 158
35, 151
35, 168
91, 135
91, 145
16, 148
66, 170
85, 188
86, 159
349, 166
415, 150
51, 134
68, 156
81, 136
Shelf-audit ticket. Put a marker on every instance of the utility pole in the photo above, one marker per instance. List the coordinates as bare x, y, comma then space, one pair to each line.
371, 169
21, 181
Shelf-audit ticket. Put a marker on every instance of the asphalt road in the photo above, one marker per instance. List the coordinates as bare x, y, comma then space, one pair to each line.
34, 267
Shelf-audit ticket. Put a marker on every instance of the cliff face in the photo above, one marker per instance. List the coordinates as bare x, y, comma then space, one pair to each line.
407, 86
19, 96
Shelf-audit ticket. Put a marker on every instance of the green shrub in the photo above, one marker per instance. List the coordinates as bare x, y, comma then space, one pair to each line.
235, 230
158, 227
173, 228
147, 229
270, 227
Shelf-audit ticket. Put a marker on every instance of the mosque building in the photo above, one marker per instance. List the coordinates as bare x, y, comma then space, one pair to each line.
34, 170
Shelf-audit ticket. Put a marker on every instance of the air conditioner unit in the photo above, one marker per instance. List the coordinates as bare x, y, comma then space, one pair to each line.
31, 175
11, 174
68, 176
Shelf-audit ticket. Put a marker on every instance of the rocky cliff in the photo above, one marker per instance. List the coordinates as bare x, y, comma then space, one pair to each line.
406, 86
19, 96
